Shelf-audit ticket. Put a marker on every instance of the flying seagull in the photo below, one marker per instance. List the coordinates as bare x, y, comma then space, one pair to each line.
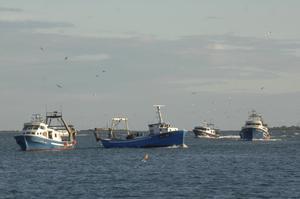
268, 34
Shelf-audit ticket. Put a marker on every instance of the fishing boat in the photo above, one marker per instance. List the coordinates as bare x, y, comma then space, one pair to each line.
160, 134
206, 130
53, 133
254, 128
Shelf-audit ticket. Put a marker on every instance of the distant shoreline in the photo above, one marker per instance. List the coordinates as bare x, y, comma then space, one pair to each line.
9, 131
285, 128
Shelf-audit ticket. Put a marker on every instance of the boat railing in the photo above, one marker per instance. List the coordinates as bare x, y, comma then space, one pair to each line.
54, 114
37, 118
118, 134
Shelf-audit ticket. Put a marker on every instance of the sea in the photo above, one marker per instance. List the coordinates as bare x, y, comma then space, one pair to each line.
207, 168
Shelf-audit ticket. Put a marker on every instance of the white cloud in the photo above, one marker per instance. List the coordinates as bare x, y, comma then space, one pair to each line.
9, 25
285, 83
6, 9
220, 46
216, 46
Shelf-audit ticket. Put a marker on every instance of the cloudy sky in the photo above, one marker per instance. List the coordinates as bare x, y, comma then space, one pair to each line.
204, 59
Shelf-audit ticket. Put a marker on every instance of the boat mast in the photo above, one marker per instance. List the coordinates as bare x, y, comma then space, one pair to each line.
68, 129
58, 116
160, 119
115, 122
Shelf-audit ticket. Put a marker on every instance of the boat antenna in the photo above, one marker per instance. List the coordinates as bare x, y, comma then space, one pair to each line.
61, 108
160, 119
46, 108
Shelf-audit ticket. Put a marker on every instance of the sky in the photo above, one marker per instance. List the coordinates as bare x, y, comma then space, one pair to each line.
205, 60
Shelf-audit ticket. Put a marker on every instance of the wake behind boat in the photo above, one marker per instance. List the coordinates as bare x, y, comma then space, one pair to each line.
53, 133
161, 134
206, 131
254, 128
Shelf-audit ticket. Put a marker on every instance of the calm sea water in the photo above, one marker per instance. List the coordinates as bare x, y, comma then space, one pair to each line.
215, 168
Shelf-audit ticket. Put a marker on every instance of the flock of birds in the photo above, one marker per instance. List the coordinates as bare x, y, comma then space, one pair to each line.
66, 58
267, 35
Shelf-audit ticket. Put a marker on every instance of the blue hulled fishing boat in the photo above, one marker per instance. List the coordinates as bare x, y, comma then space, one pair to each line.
160, 134
53, 133
254, 128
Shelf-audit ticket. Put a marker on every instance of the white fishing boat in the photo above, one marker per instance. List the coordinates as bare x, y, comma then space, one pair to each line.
206, 130
53, 133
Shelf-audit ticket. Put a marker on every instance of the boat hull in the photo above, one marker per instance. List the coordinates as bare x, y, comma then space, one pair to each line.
158, 140
204, 134
31, 142
248, 134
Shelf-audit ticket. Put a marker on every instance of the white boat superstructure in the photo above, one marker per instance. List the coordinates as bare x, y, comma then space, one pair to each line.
38, 127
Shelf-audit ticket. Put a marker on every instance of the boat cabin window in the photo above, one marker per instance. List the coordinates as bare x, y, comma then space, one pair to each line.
42, 127
31, 127
50, 135
253, 123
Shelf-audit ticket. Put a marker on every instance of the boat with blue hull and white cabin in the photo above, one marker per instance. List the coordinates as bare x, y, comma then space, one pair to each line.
254, 128
160, 134
53, 133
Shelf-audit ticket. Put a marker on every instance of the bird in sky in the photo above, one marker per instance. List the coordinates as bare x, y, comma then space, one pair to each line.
268, 34
59, 86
